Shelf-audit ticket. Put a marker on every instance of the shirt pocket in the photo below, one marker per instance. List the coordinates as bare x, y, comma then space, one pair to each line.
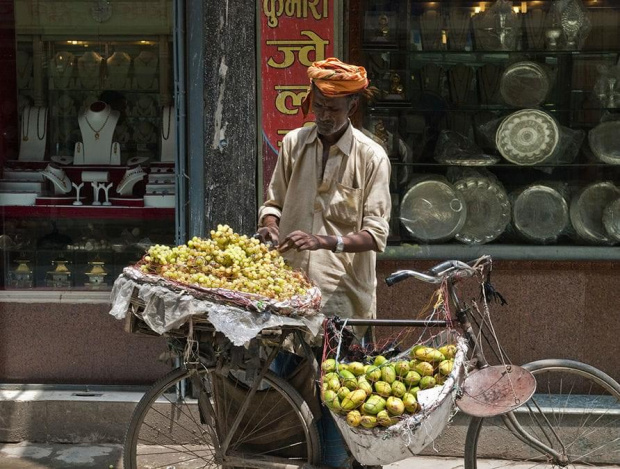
345, 205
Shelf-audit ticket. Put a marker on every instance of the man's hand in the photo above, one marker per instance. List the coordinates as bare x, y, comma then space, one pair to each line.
270, 231
301, 241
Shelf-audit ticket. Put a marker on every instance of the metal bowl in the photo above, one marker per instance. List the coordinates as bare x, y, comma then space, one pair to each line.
586, 211
540, 213
488, 210
433, 211
527, 137
524, 84
604, 142
611, 219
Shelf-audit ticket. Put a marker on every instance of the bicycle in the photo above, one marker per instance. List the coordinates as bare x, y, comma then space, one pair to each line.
240, 414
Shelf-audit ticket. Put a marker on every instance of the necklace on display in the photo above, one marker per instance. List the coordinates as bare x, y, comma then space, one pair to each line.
166, 136
39, 136
25, 125
97, 132
25, 70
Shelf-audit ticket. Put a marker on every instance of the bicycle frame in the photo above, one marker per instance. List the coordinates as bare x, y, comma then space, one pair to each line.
449, 271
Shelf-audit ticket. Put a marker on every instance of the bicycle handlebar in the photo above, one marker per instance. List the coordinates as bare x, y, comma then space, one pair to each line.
439, 272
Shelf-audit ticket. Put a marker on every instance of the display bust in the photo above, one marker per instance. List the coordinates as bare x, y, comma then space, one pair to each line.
97, 124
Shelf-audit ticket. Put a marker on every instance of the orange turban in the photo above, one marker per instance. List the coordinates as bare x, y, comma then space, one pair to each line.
334, 79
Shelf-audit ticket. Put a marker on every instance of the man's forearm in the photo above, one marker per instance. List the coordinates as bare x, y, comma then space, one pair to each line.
355, 242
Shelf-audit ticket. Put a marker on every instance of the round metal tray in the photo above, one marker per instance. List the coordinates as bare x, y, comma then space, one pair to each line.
586, 211
611, 219
488, 210
527, 137
540, 213
432, 211
524, 84
604, 142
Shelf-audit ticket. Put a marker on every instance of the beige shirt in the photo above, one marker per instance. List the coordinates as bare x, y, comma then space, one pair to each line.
353, 195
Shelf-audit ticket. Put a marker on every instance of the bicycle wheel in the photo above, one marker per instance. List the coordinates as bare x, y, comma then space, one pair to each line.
575, 410
173, 426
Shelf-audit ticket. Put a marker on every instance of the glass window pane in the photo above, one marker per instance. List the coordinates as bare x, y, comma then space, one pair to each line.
87, 147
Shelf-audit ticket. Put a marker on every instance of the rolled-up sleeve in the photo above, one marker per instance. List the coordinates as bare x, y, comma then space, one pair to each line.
378, 202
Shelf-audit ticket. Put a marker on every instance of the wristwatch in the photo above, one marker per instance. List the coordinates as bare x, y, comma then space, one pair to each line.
339, 244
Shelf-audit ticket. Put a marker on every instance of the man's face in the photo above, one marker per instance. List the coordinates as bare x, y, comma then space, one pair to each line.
331, 114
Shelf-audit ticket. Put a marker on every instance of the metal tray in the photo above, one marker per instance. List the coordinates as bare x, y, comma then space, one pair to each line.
527, 137
433, 211
586, 211
488, 210
540, 213
604, 142
611, 219
524, 84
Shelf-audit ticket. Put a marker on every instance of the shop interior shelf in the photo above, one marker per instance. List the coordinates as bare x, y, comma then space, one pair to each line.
86, 212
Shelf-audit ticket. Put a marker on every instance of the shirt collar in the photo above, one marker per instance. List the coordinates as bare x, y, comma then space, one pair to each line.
344, 144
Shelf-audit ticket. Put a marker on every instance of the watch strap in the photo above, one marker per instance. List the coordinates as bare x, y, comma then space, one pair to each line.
339, 244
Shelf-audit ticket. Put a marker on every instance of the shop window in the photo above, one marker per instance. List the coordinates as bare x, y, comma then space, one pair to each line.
501, 121
87, 142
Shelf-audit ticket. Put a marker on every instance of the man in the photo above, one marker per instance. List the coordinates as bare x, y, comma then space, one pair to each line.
328, 203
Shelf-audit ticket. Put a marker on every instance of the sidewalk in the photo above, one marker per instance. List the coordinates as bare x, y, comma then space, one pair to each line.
58, 456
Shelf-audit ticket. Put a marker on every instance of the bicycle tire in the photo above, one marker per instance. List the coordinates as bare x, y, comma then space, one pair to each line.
166, 429
587, 427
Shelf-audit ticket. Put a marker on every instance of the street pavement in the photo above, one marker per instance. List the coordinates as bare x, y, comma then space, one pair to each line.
58, 456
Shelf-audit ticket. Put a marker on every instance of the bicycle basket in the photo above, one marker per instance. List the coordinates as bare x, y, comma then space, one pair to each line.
412, 433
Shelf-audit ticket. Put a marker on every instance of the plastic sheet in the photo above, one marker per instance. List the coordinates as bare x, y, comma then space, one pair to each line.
166, 309
454, 148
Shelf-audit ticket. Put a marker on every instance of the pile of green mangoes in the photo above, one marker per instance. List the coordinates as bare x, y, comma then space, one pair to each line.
380, 391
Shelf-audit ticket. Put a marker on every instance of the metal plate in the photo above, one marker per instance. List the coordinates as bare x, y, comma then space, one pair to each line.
527, 137
604, 142
488, 210
482, 160
540, 213
611, 219
586, 211
433, 211
496, 390
524, 84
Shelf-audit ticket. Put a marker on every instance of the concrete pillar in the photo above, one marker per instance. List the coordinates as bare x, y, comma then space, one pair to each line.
230, 105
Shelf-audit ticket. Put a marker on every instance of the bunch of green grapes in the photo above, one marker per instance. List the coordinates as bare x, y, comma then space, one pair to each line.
227, 260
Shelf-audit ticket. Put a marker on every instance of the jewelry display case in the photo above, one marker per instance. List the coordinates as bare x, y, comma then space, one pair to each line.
95, 131
508, 105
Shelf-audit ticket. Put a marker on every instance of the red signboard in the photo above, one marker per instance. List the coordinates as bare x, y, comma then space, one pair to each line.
294, 33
